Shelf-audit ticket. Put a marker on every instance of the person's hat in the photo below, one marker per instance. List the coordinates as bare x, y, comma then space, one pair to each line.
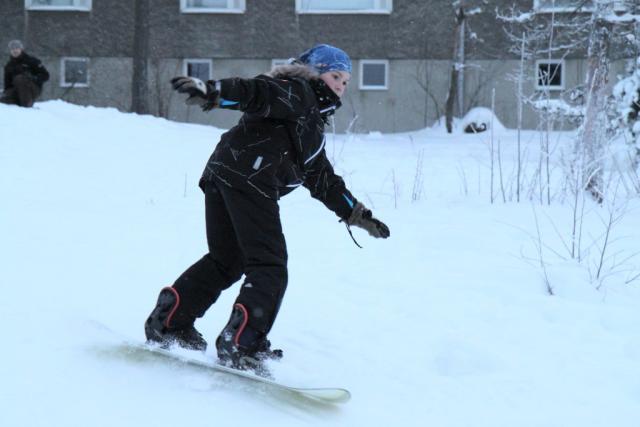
15, 44
324, 58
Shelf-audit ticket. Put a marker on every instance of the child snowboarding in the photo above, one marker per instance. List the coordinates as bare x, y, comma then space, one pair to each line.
277, 145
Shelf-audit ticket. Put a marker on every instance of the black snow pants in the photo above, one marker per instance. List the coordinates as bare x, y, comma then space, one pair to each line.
23, 93
244, 236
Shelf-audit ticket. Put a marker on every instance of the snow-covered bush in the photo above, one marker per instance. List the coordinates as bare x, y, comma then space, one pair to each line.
480, 119
627, 103
558, 108
626, 99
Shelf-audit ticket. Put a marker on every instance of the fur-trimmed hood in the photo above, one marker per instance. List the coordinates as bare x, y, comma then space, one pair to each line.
295, 69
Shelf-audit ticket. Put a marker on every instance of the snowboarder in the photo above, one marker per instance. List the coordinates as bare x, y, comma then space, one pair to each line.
277, 146
24, 76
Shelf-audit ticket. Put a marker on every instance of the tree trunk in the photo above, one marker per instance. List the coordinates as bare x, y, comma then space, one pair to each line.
140, 88
594, 126
456, 68
453, 88
521, 78
460, 60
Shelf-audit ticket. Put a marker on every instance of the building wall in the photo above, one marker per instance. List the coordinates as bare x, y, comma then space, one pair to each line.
416, 38
416, 96
110, 83
105, 31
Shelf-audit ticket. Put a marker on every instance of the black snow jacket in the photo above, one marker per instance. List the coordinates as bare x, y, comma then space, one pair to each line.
25, 64
279, 142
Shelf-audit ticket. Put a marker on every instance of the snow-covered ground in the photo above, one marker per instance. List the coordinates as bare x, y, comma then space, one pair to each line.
446, 323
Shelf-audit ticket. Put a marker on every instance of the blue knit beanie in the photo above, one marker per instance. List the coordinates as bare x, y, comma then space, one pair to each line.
324, 57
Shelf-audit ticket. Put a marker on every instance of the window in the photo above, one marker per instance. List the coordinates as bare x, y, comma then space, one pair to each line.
278, 62
571, 5
83, 5
550, 75
344, 6
199, 68
374, 74
74, 72
212, 6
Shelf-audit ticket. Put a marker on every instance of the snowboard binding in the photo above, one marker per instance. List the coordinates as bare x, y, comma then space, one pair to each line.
161, 327
241, 347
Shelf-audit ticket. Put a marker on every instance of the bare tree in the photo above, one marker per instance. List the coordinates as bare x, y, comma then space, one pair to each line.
597, 30
606, 29
540, 37
520, 108
456, 82
161, 94
593, 137
627, 98
423, 77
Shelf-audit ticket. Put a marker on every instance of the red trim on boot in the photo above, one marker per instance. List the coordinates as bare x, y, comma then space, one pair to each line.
167, 322
236, 339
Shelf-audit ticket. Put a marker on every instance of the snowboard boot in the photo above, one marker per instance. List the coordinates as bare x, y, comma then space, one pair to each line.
162, 329
242, 347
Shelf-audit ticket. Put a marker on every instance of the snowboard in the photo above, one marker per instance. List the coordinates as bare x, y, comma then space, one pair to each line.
328, 395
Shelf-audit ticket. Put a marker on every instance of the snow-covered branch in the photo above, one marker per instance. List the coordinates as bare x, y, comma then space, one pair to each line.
626, 18
518, 18
557, 107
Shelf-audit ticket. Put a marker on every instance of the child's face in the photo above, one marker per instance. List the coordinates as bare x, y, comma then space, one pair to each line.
337, 81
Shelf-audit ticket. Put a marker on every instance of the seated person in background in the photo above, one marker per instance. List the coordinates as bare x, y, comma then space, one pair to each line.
23, 77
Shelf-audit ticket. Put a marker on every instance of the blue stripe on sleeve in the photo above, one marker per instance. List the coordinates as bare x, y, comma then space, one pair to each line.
227, 103
349, 201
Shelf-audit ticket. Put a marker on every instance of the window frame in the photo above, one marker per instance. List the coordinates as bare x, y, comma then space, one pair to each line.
85, 7
233, 7
63, 68
186, 61
617, 6
364, 62
560, 87
383, 7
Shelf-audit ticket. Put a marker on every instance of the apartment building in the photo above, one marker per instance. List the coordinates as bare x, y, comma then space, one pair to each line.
402, 53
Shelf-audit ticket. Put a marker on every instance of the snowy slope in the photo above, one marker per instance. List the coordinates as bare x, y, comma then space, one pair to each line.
447, 323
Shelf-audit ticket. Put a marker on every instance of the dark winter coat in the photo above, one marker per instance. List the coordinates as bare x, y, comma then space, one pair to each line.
25, 64
279, 142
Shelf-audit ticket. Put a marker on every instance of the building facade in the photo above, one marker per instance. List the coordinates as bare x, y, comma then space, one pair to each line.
99, 52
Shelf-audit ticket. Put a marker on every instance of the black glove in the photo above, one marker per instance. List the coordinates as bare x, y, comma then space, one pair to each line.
361, 217
200, 93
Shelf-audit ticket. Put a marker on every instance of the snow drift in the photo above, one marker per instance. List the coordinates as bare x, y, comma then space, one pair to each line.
447, 323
